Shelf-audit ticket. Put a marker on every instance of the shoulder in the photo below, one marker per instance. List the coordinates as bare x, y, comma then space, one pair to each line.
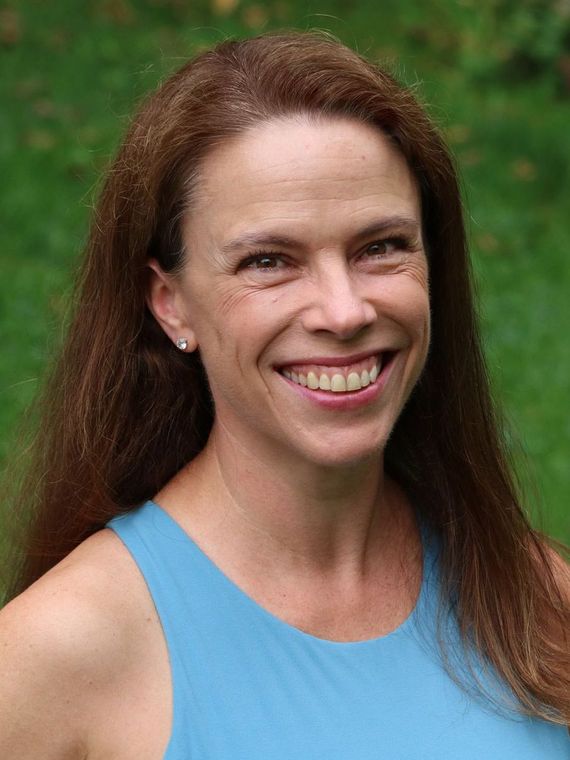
92, 601
64, 643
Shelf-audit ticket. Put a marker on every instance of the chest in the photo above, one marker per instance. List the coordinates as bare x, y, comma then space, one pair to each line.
366, 707
249, 687
135, 721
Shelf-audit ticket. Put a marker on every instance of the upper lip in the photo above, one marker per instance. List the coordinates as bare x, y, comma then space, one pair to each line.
334, 361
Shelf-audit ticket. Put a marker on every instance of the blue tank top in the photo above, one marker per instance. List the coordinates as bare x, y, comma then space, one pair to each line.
249, 686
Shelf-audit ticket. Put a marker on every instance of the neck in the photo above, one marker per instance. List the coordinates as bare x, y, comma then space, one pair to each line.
299, 519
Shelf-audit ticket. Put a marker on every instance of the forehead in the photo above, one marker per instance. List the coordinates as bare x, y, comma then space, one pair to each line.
298, 171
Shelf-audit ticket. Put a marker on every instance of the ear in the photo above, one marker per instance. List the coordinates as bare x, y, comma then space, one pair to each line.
164, 299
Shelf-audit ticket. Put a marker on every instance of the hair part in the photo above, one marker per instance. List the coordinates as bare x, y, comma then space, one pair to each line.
123, 410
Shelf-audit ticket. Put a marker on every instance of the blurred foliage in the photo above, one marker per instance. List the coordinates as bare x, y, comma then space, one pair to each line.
494, 74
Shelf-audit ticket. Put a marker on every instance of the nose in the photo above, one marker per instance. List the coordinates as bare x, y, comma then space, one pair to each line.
336, 303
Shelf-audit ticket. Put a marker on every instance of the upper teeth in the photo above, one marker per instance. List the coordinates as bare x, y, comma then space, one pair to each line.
336, 379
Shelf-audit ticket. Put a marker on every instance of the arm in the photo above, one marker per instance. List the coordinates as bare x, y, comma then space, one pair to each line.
59, 651
42, 711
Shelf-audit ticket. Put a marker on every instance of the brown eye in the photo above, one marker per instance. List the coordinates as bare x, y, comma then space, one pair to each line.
263, 262
387, 246
381, 247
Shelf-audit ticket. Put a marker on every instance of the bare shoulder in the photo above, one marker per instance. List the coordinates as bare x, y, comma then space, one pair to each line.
64, 642
83, 604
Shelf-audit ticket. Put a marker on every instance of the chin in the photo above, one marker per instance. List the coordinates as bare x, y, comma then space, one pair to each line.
344, 455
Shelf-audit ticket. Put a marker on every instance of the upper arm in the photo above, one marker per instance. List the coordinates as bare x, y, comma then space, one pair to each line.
58, 648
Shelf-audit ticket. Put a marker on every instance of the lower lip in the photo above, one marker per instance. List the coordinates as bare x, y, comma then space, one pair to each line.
346, 400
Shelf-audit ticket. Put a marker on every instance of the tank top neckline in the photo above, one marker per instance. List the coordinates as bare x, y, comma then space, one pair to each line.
287, 628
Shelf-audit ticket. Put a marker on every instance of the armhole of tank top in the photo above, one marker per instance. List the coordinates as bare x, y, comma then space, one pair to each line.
153, 582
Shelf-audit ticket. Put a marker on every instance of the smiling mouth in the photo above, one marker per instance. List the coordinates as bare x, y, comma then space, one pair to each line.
343, 379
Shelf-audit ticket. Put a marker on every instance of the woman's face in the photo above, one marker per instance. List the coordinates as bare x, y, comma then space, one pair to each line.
305, 266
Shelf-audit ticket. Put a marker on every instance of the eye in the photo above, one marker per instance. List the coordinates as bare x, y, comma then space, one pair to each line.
386, 246
264, 261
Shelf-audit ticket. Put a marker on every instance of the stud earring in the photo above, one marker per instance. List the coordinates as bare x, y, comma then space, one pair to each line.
182, 344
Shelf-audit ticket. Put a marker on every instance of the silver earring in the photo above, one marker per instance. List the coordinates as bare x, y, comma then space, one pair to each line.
182, 344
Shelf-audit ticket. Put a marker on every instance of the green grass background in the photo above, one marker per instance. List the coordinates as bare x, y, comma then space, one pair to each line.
495, 75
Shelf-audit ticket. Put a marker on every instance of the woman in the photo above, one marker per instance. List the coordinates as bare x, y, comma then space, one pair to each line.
273, 396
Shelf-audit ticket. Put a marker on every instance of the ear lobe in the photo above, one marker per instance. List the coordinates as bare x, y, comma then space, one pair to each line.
164, 299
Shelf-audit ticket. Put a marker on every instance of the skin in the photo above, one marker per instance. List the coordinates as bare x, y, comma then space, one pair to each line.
285, 490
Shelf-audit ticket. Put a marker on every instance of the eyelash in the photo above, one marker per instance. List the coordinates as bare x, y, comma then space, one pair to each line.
257, 257
400, 242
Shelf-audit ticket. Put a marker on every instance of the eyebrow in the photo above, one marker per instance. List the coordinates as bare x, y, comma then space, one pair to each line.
253, 239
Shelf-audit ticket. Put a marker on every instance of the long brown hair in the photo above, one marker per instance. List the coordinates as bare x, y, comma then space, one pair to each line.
124, 410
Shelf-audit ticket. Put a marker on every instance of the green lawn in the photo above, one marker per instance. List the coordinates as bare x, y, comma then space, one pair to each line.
495, 75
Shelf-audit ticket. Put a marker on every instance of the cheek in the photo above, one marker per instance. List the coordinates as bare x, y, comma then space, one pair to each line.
419, 318
213, 312
245, 319
232, 328
417, 306
409, 299
233, 302
224, 303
